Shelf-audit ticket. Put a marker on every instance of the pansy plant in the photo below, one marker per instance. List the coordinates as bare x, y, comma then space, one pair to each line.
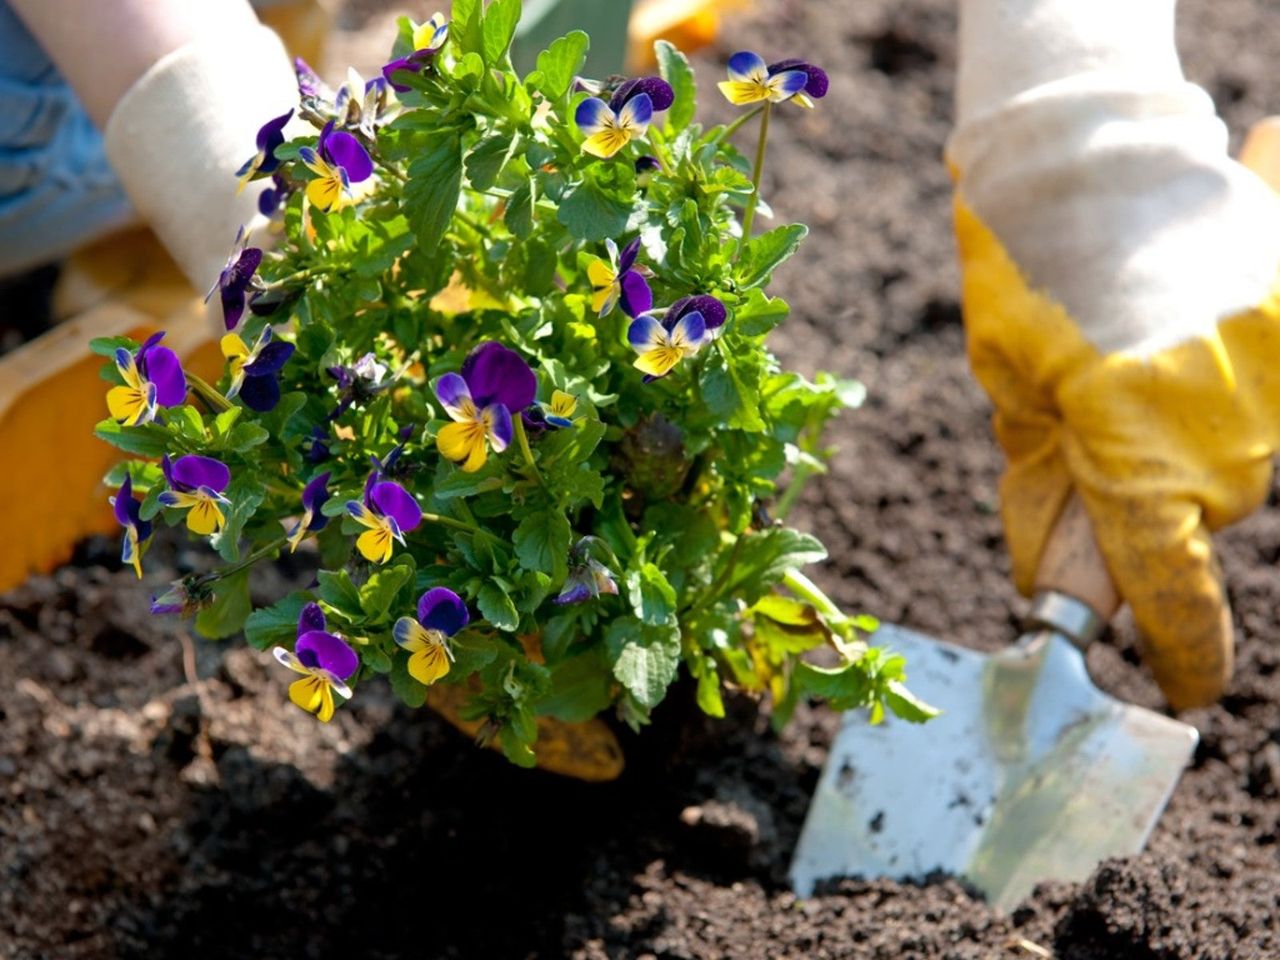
568, 502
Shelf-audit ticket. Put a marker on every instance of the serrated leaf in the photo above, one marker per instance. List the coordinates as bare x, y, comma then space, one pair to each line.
496, 607
499, 27
246, 436
765, 556
907, 705
337, 590
246, 495
675, 69
378, 592
560, 63
230, 608
579, 688
763, 254
759, 314
431, 194
520, 210
485, 161
276, 625
107, 346
148, 440
651, 595
542, 542
648, 661
588, 213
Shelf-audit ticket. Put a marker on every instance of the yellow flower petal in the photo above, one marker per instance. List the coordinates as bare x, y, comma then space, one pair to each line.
563, 404
325, 192
127, 405
464, 442
742, 92
659, 361
233, 347
607, 142
429, 664
205, 517
376, 545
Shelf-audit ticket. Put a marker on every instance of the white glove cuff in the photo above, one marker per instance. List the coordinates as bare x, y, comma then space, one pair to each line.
1009, 47
178, 135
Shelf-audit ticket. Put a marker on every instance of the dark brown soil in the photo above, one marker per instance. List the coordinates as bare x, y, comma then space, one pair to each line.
155, 809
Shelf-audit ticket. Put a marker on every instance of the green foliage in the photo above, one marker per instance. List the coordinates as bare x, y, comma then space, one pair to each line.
650, 511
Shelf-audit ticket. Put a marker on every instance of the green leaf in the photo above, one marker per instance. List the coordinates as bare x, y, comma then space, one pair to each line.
496, 607
148, 440
579, 688
337, 590
459, 483
675, 69
762, 254
588, 213
246, 436
431, 195
764, 557
379, 591
560, 63
759, 314
520, 210
485, 161
499, 27
246, 494
410, 691
907, 705
731, 396
709, 698
516, 749
472, 653
465, 25
276, 625
230, 608
542, 542
107, 346
651, 595
648, 660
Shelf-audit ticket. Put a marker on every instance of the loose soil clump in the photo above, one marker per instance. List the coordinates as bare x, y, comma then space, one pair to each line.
162, 797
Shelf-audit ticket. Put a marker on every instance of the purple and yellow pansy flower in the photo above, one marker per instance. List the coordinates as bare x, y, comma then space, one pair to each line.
616, 279
661, 344
441, 614
136, 530
153, 378
608, 127
270, 136
428, 39
236, 278
196, 484
389, 512
255, 372
751, 80
495, 383
815, 86
559, 411
326, 663
314, 496
338, 161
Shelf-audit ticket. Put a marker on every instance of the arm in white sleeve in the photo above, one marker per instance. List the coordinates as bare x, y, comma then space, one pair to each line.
1104, 172
182, 87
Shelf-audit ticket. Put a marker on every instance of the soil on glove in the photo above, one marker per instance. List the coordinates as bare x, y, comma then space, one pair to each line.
160, 797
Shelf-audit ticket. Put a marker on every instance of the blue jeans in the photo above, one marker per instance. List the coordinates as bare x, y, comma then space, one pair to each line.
57, 190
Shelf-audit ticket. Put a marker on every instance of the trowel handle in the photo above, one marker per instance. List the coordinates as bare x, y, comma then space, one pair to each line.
1074, 592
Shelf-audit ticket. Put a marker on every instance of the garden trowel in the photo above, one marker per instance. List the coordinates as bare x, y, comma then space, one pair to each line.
1030, 774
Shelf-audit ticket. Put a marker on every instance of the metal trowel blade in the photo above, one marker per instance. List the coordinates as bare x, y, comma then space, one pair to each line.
1030, 774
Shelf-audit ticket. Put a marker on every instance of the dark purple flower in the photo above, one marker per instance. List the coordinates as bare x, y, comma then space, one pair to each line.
136, 530
236, 278
310, 618
817, 83
270, 136
255, 373
272, 198
712, 310
646, 167
324, 651
618, 281
195, 485
495, 374
441, 614
314, 496
661, 96
344, 151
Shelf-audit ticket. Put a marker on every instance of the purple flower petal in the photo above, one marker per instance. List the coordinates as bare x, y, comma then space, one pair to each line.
260, 393
746, 66
370, 482
576, 589
270, 136
309, 82
791, 82
150, 342
646, 167
691, 327
408, 65
658, 90
817, 83
712, 310
442, 609
592, 115
393, 501
495, 374
312, 618
345, 151
501, 429
637, 112
193, 471
627, 259
123, 501
317, 649
316, 493
271, 358
645, 333
452, 392
636, 296
161, 366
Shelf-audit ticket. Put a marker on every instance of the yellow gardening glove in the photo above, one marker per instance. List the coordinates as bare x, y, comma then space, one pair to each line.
1121, 306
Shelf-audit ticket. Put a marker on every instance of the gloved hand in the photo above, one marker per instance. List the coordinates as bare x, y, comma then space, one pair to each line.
1121, 306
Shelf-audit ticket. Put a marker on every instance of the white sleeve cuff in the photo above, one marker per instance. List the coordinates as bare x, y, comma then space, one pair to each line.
179, 134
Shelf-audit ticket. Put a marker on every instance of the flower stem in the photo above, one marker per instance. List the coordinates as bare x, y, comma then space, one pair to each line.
212, 398
846, 640
525, 450
260, 554
749, 217
453, 524
733, 128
